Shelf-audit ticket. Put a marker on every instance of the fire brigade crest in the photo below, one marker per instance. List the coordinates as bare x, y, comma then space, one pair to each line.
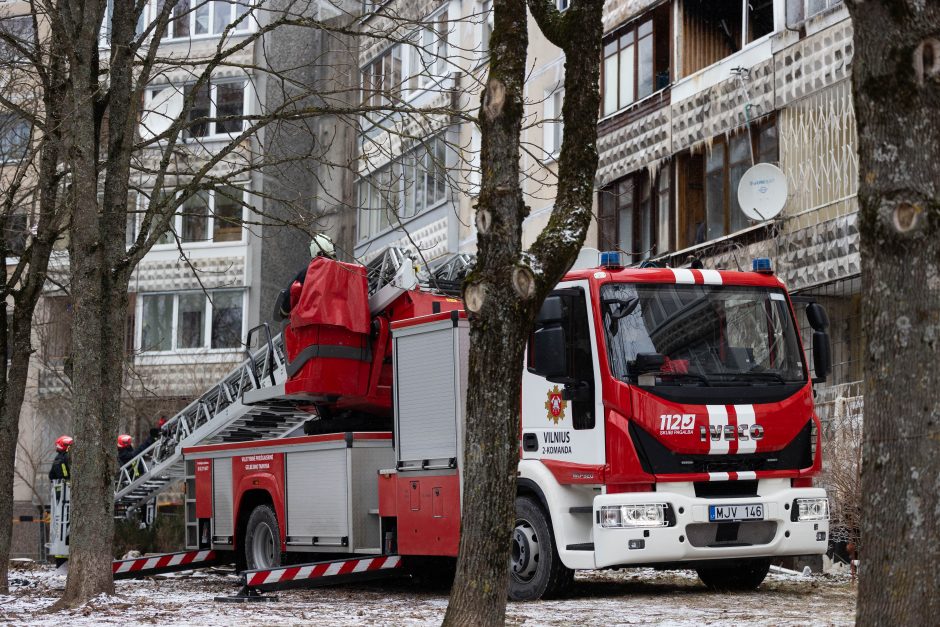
555, 405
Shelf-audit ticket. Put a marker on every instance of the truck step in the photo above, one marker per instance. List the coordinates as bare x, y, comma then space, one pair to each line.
165, 563
323, 573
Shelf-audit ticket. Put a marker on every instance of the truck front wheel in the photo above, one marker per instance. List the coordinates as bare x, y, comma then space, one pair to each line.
535, 570
262, 539
734, 575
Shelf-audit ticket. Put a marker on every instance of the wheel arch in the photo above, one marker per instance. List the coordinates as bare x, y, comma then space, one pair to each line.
250, 499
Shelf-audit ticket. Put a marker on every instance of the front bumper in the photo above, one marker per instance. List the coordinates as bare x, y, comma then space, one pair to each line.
692, 537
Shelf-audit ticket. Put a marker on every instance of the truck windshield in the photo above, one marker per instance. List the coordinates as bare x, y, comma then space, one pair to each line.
702, 335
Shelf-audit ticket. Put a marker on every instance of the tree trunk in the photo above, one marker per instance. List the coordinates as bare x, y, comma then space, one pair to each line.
507, 285
896, 78
99, 300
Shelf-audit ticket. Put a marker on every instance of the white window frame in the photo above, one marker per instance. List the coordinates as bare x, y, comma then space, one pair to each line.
212, 133
553, 126
174, 326
420, 72
248, 25
177, 224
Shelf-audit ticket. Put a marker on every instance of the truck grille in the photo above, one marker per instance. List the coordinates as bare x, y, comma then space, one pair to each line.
655, 458
731, 533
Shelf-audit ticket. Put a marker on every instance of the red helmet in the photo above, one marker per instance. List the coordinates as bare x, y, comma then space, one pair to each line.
125, 441
63, 443
161, 422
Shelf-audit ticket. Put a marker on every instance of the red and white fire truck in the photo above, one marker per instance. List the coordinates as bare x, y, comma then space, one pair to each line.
667, 420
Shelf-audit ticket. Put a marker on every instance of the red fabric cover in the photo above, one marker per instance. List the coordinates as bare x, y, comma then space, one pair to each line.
334, 293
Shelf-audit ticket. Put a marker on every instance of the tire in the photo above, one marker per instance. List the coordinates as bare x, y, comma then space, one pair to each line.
535, 569
738, 576
262, 547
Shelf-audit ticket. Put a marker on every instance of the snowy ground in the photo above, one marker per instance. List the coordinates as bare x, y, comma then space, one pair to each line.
628, 597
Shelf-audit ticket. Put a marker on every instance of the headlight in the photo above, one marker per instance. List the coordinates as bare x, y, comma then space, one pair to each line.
805, 510
632, 516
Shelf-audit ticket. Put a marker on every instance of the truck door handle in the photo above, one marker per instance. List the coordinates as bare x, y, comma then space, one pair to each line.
530, 442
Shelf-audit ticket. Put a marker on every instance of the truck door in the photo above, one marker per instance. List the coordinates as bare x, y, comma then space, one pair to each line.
564, 421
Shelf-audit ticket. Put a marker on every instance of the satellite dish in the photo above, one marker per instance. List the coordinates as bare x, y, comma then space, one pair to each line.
762, 192
164, 107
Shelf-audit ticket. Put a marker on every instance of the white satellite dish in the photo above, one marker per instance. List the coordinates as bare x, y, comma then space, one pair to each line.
762, 192
164, 107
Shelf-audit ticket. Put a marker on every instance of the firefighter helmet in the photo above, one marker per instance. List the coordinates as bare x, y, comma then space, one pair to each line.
63, 443
321, 245
125, 441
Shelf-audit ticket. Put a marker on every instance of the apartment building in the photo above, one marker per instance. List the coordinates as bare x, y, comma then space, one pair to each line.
418, 175
215, 273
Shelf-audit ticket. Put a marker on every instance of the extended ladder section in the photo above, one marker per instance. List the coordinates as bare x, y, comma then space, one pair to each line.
219, 415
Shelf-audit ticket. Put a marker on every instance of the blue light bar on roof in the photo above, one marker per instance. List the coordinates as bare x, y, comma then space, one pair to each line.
611, 259
762, 265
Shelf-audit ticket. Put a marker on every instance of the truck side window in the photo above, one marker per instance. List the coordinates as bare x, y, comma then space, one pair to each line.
580, 392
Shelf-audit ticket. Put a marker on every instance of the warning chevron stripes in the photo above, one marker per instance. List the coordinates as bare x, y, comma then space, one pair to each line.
166, 563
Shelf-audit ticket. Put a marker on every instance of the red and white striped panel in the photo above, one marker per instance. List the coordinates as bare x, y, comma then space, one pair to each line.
691, 277
157, 562
720, 417
322, 570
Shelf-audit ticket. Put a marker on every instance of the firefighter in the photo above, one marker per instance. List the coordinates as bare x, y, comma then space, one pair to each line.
60, 465
125, 445
320, 246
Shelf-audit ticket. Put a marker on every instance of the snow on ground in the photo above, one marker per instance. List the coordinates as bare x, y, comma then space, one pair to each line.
627, 597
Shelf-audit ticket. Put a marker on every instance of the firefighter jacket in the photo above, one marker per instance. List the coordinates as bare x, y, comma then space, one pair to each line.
60, 467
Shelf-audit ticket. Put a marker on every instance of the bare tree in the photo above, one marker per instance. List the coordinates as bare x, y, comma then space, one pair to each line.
508, 284
896, 85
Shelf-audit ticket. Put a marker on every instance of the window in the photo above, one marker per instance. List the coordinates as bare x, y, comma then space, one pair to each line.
55, 334
14, 137
205, 17
208, 216
486, 26
709, 195
580, 357
217, 109
381, 79
716, 29
404, 188
16, 234
191, 320
21, 29
636, 61
427, 53
554, 126
636, 217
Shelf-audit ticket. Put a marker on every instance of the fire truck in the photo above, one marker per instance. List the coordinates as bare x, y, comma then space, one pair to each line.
667, 420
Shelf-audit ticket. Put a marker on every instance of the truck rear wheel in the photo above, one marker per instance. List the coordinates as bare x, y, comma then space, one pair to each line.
262, 539
535, 569
734, 575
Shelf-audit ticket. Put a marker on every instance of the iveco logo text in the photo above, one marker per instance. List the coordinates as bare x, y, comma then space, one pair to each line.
728, 432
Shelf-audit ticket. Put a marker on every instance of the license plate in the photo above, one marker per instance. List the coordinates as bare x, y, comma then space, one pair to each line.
735, 513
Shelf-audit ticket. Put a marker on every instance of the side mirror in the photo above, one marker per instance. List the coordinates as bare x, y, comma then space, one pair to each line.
552, 311
817, 317
822, 356
648, 362
550, 354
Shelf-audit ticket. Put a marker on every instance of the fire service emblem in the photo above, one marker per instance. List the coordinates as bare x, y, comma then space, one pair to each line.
555, 405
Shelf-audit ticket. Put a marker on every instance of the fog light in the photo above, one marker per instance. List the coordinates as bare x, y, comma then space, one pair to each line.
633, 516
805, 510
820, 536
636, 544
